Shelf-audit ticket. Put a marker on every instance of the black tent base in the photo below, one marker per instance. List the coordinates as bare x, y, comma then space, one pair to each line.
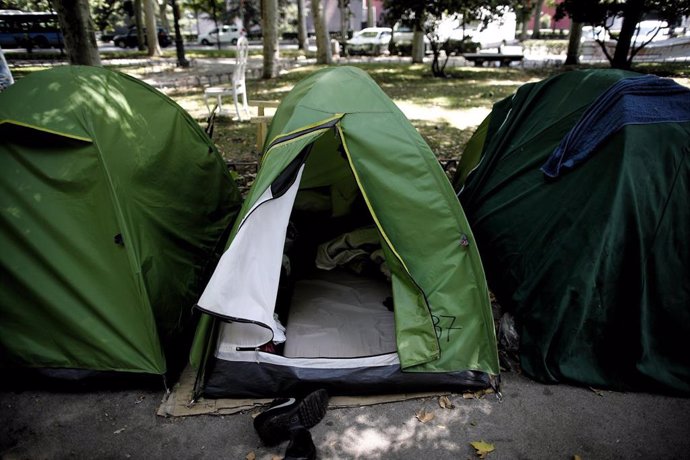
77, 380
235, 379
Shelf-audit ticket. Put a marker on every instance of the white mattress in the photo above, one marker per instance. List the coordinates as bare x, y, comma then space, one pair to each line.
339, 315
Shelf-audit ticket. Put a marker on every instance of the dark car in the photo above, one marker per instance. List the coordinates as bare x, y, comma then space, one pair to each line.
129, 40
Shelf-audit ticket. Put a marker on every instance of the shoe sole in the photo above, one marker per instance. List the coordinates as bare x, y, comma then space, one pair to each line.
307, 413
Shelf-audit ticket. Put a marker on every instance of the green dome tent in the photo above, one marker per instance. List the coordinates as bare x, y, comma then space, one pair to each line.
593, 261
113, 203
342, 166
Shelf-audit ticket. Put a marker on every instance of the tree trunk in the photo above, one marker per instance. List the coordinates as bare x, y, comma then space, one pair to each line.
163, 13
214, 15
417, 45
438, 69
323, 46
633, 14
343, 5
151, 29
129, 18
524, 30
574, 37
536, 33
78, 31
302, 37
371, 14
179, 43
139, 22
269, 26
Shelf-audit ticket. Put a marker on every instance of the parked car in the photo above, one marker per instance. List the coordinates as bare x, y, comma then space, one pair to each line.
402, 39
227, 34
372, 40
254, 32
107, 36
129, 40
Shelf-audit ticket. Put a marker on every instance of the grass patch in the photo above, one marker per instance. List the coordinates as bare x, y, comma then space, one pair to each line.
446, 141
236, 141
670, 70
464, 89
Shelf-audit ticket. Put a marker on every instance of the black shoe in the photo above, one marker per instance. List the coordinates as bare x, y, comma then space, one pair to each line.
301, 447
274, 424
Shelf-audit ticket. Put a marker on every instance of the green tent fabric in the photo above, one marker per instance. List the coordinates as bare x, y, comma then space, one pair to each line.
594, 264
113, 203
358, 142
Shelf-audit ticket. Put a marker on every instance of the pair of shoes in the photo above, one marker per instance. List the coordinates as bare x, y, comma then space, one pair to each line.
301, 447
276, 423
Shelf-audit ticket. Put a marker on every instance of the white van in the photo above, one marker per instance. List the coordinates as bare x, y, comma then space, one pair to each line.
228, 34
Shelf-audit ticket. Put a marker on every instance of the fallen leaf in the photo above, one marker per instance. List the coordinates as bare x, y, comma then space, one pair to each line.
118, 431
424, 416
445, 403
478, 394
577, 457
251, 456
482, 448
597, 391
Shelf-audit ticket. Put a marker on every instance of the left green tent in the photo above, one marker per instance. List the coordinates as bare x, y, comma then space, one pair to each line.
113, 203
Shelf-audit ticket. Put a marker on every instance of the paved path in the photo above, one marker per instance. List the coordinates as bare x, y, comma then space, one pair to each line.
458, 118
534, 421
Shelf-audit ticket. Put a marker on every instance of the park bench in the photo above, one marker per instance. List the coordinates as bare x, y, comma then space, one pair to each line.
504, 55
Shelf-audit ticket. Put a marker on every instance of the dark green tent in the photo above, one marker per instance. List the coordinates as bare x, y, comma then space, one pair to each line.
113, 202
595, 263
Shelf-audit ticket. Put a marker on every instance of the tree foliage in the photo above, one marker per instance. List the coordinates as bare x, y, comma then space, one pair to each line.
26, 5
248, 10
602, 14
106, 13
428, 16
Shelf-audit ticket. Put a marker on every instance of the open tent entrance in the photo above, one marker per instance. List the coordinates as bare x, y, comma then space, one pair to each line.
334, 296
312, 291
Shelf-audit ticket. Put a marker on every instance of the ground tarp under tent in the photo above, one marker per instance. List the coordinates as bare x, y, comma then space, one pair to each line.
113, 203
577, 191
351, 266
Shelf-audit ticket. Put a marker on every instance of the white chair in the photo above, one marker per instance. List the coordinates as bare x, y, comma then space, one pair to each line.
238, 87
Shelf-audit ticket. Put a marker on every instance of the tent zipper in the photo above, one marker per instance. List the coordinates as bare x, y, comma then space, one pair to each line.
294, 135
